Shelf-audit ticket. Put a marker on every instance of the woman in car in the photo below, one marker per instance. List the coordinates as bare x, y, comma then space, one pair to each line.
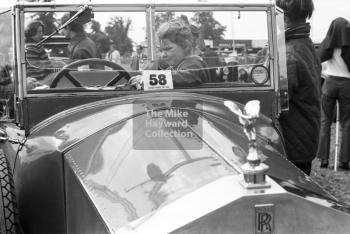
176, 45
36, 56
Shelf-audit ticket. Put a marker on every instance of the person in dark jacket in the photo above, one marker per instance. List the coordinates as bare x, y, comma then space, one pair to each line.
213, 61
81, 46
301, 125
176, 42
334, 51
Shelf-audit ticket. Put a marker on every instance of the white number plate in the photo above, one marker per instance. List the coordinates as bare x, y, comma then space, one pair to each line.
157, 79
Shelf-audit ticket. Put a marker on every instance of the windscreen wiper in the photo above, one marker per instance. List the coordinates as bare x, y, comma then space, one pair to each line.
79, 13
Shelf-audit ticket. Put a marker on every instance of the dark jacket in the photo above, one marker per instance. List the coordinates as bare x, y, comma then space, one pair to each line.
301, 124
191, 71
213, 62
82, 47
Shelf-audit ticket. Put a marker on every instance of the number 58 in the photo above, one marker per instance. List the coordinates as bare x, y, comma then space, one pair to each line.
155, 80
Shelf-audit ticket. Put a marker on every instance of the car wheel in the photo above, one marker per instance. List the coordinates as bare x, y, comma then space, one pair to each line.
8, 215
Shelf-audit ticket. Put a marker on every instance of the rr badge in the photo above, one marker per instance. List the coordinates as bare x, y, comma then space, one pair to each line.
264, 219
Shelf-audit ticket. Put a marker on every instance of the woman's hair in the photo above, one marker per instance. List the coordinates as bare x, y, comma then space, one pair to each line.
32, 29
297, 9
177, 32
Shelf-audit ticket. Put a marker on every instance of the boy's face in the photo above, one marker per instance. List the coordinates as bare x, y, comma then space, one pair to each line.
172, 53
66, 32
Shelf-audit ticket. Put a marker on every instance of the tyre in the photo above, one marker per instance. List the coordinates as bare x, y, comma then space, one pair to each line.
8, 215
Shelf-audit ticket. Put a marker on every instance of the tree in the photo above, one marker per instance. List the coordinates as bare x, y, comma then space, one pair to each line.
210, 28
49, 21
6, 37
118, 30
163, 17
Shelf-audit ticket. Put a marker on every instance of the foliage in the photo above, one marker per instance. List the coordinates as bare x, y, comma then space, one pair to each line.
163, 17
210, 28
6, 38
49, 21
117, 30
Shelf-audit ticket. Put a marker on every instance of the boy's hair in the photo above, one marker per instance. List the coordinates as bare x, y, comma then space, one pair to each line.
74, 26
177, 32
297, 9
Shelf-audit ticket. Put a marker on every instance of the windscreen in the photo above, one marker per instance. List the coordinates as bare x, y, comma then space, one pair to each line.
105, 50
230, 42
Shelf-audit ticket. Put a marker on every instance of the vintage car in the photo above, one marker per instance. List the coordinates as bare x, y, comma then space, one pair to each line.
86, 152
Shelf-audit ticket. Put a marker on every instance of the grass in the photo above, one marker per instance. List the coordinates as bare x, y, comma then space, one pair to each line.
336, 183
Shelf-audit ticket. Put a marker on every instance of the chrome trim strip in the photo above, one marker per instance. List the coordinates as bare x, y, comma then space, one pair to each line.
123, 92
19, 52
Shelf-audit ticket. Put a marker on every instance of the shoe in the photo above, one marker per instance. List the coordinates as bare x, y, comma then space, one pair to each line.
324, 163
344, 165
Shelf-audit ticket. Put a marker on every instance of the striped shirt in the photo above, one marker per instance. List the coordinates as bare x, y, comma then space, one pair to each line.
37, 61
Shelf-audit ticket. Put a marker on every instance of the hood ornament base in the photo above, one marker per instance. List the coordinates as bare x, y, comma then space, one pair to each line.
254, 171
254, 177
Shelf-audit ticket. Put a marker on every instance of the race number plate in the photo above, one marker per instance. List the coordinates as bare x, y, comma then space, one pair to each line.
157, 79
264, 219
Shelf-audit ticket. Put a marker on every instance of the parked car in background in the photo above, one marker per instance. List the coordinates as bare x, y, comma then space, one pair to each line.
84, 152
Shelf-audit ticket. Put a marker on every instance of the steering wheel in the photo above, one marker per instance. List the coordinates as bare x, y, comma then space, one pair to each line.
65, 72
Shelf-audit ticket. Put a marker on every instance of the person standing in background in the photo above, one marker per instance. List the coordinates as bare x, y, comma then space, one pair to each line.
138, 59
212, 59
334, 52
113, 54
101, 39
301, 125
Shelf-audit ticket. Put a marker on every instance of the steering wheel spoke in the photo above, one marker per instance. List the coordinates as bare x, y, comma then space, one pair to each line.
118, 77
73, 80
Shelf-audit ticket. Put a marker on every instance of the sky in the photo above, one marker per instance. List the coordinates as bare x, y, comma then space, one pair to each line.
325, 12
